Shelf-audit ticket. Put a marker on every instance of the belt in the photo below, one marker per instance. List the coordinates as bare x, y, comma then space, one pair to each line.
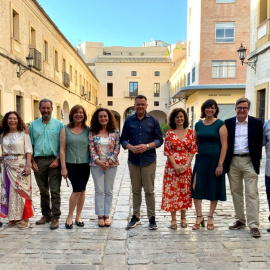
45, 157
241, 155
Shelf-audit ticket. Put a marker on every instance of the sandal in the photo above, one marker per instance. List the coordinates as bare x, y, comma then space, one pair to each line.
210, 226
183, 222
13, 223
24, 224
197, 226
101, 222
173, 225
107, 221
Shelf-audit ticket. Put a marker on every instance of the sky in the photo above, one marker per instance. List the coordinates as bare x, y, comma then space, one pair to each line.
119, 22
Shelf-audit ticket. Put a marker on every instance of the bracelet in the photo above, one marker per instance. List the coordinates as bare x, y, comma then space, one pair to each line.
29, 165
220, 165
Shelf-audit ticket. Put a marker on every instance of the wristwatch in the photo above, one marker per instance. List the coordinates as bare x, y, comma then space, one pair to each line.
147, 147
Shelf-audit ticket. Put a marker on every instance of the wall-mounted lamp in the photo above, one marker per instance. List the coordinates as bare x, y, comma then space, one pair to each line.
166, 105
99, 105
30, 64
242, 55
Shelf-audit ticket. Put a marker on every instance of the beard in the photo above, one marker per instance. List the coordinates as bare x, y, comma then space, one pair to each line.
46, 116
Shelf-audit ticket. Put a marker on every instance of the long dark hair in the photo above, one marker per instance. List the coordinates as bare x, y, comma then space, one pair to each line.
4, 125
73, 110
95, 126
173, 115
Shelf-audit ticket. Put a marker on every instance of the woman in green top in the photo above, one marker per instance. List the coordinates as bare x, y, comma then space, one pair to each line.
75, 157
208, 180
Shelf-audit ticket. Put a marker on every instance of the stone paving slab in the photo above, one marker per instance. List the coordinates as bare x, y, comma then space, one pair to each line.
114, 248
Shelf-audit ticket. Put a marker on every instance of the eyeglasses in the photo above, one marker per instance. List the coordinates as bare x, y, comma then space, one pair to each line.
242, 108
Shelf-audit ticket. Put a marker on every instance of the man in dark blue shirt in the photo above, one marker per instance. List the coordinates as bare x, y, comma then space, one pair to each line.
141, 135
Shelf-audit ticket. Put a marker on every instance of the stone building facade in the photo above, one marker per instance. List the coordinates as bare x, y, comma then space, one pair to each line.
58, 73
215, 30
258, 79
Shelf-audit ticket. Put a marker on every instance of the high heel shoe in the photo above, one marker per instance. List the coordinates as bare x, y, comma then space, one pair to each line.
210, 226
196, 226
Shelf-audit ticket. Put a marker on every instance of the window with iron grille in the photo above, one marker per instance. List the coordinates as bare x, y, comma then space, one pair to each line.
110, 103
156, 103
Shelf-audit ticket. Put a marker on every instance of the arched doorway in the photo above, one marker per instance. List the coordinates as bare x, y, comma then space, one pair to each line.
160, 115
65, 111
117, 118
129, 111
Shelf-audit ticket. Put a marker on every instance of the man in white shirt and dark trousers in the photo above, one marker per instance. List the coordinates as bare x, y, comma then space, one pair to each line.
245, 134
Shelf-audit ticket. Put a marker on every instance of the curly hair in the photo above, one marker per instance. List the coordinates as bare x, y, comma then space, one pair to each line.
209, 103
73, 110
4, 123
95, 126
173, 115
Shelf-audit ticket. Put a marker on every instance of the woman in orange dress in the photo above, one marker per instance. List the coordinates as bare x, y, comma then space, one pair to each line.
179, 147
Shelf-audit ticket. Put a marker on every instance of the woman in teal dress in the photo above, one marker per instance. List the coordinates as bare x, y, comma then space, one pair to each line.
75, 158
208, 180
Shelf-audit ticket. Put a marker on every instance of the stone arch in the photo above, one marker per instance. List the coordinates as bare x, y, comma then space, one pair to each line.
65, 112
160, 115
117, 118
129, 111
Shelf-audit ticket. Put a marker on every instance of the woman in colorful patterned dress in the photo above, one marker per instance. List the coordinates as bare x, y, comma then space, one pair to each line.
16, 185
179, 147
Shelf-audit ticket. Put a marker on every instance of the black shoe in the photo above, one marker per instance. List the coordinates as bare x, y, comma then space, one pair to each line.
269, 217
133, 222
69, 226
1, 224
268, 229
79, 223
152, 223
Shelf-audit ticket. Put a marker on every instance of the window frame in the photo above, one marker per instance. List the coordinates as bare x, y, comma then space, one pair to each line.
156, 73
221, 69
224, 26
225, 1
156, 89
110, 91
133, 73
109, 73
129, 88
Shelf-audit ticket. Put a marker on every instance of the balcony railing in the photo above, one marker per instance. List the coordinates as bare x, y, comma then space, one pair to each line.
37, 58
132, 94
83, 93
66, 80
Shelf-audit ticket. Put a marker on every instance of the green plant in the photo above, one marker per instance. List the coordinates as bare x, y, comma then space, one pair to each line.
164, 128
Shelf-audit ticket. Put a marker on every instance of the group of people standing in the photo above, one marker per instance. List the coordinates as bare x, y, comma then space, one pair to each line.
233, 146
54, 151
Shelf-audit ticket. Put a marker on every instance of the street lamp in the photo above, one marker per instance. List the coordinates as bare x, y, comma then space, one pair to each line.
242, 55
30, 64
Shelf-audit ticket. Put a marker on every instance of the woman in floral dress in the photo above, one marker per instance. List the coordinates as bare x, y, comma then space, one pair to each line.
180, 147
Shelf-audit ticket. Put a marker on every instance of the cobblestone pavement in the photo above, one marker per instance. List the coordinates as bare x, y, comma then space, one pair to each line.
112, 248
